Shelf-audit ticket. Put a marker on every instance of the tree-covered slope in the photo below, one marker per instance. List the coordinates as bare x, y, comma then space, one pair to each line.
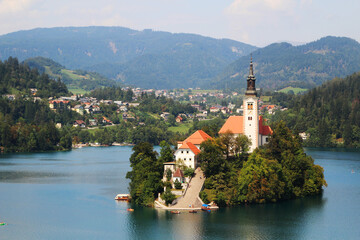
79, 79
330, 113
129, 55
17, 78
281, 64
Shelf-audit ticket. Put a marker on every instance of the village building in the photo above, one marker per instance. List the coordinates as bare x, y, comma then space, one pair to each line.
188, 150
92, 122
165, 115
79, 123
58, 104
179, 119
178, 176
250, 124
79, 109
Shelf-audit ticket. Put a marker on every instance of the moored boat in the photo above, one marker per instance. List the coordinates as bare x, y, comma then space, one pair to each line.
123, 197
130, 209
2, 223
206, 207
175, 212
192, 211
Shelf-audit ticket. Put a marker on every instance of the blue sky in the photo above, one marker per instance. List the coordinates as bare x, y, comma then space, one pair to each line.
257, 22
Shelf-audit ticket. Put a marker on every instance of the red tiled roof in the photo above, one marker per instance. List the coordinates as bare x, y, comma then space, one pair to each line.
263, 129
234, 124
192, 147
58, 101
178, 173
79, 122
198, 137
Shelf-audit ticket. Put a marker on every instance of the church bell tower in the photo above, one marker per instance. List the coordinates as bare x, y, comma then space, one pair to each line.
250, 107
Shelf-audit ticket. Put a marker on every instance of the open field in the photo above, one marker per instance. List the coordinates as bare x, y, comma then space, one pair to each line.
295, 90
78, 91
181, 128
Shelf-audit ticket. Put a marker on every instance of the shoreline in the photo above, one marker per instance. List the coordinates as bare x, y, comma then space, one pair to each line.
81, 145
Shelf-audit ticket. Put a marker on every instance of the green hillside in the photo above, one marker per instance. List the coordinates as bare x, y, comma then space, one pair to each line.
78, 81
17, 78
281, 65
144, 58
330, 113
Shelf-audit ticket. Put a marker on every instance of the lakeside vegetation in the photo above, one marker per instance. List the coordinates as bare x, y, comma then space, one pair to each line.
329, 114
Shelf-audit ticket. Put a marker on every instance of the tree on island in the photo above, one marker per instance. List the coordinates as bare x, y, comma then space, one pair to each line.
279, 170
276, 171
147, 172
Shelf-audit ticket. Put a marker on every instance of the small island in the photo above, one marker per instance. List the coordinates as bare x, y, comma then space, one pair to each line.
248, 163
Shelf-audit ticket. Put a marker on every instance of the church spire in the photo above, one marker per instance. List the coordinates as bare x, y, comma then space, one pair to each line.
251, 90
251, 73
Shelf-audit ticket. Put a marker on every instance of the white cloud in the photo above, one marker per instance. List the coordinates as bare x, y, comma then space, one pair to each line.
14, 6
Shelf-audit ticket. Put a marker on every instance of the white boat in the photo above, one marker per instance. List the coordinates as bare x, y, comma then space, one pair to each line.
122, 197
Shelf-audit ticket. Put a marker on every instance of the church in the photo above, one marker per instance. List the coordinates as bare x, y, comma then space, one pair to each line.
250, 124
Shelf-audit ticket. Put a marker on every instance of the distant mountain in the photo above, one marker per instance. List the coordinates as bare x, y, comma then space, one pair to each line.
74, 79
143, 58
281, 64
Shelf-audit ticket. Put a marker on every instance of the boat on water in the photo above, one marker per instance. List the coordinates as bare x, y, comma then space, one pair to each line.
130, 209
123, 197
3, 223
175, 212
206, 207
192, 211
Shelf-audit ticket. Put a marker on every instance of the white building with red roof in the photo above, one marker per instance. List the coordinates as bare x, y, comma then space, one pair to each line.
188, 150
250, 124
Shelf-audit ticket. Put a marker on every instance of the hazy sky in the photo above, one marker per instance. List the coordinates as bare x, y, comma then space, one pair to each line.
257, 22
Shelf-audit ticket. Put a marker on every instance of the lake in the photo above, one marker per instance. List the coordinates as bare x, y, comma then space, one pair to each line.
70, 195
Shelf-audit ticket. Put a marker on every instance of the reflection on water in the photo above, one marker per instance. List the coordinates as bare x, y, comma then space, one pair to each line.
24, 176
70, 195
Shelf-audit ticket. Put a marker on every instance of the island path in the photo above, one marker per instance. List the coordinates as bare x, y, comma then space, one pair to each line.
191, 199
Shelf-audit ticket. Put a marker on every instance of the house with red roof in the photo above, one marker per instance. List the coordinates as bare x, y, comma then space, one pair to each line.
178, 175
188, 150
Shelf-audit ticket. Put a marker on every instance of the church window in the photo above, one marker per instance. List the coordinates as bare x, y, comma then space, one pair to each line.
267, 139
250, 106
250, 125
184, 159
182, 151
250, 118
187, 151
189, 159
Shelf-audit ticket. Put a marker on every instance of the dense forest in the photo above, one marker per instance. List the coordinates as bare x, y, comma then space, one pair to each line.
28, 124
330, 114
16, 78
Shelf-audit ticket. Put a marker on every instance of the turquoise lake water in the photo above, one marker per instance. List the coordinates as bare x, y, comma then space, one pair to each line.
69, 195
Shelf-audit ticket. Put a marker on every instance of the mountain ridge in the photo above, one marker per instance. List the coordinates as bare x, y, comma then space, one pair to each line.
282, 64
89, 47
